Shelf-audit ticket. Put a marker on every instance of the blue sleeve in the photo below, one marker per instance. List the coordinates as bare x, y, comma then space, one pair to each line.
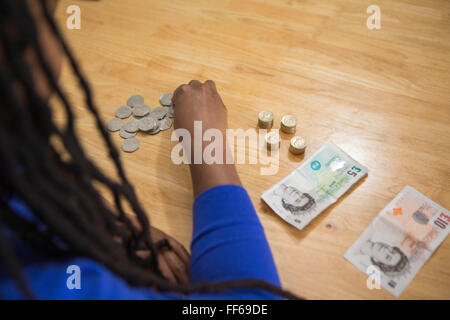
229, 241
228, 244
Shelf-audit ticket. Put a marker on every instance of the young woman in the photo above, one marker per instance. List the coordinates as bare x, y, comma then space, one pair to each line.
52, 215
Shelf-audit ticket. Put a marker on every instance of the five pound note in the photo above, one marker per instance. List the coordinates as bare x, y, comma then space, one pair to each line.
314, 186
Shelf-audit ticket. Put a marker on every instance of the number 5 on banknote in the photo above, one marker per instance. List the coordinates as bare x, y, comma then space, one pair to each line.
354, 171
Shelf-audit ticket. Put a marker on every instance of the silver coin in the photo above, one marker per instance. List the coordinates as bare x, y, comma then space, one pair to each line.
147, 124
159, 112
135, 100
166, 99
165, 124
171, 113
167, 111
141, 110
131, 125
156, 129
125, 134
114, 124
123, 112
130, 145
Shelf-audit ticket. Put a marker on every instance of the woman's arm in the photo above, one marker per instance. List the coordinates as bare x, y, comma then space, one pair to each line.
228, 240
201, 103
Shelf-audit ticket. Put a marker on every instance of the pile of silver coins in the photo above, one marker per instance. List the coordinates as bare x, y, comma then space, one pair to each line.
288, 124
141, 119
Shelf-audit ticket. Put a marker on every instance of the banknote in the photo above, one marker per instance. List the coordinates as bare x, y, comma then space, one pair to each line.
314, 186
401, 239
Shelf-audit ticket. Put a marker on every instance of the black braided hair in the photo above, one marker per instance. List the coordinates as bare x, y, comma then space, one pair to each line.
58, 185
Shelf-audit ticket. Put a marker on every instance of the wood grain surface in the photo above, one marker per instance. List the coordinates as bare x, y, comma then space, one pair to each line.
381, 95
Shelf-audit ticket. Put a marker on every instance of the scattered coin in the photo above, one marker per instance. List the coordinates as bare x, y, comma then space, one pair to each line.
125, 134
131, 125
298, 145
147, 124
171, 113
130, 145
165, 124
155, 130
123, 112
114, 124
150, 121
288, 124
135, 100
273, 140
141, 110
159, 112
166, 99
265, 119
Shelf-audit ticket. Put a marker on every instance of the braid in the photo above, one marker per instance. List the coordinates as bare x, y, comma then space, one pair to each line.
34, 170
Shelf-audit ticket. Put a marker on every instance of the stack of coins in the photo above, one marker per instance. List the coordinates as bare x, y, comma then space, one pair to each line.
298, 145
288, 124
273, 140
150, 121
265, 119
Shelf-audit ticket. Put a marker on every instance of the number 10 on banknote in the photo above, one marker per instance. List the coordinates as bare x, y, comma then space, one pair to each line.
314, 186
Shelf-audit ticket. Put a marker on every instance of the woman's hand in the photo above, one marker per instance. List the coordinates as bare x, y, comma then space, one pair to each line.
198, 101
174, 263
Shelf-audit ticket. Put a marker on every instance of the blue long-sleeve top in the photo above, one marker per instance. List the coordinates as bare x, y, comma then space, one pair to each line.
228, 244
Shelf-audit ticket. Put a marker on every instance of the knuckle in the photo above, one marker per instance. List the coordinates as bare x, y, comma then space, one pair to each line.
178, 91
195, 83
181, 90
210, 83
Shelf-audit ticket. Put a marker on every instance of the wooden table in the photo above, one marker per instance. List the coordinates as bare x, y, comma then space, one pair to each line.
381, 95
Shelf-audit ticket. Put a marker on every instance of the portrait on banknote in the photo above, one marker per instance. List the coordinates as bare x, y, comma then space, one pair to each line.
401, 239
293, 200
312, 187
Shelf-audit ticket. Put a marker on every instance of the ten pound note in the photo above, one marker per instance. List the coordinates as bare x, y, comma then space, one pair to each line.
314, 186
400, 240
